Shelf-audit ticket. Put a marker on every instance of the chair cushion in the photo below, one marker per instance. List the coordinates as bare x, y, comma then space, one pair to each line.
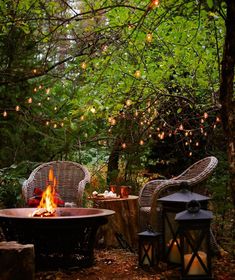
36, 198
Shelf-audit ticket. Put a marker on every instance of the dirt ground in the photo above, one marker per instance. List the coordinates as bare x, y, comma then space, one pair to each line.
121, 264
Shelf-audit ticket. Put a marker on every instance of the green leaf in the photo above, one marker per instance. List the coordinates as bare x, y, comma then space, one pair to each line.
210, 3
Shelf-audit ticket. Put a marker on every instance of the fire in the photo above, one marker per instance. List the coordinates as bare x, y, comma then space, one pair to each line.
47, 204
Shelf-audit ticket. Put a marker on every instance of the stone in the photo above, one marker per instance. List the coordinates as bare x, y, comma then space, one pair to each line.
17, 261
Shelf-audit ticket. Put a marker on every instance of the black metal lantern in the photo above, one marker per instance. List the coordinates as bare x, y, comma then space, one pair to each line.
149, 247
171, 205
195, 246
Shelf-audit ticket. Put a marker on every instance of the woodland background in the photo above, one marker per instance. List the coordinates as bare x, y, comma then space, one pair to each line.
134, 90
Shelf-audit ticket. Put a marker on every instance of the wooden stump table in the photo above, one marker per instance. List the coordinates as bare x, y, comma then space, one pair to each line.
122, 228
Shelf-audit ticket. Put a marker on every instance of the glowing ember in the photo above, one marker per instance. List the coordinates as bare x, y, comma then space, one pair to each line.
47, 204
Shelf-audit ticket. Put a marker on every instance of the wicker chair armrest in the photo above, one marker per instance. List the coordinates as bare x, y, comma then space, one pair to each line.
146, 192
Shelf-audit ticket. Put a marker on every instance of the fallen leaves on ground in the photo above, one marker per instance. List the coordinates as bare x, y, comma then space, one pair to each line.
117, 264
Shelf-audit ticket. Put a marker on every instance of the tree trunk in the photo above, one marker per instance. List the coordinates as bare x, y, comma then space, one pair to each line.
112, 172
226, 92
122, 228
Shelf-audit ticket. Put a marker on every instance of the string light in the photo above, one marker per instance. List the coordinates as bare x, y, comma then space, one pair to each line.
128, 102
4, 114
181, 127
141, 142
149, 37
137, 74
39, 103
48, 90
83, 65
47, 123
205, 115
124, 145
93, 110
17, 108
153, 4
30, 100
82, 118
113, 121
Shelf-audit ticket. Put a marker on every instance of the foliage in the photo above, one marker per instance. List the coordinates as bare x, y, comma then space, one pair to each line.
11, 184
105, 73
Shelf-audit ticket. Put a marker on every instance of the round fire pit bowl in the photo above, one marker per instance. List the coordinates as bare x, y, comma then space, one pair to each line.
66, 239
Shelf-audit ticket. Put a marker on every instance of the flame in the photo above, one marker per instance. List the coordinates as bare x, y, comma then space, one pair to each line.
47, 204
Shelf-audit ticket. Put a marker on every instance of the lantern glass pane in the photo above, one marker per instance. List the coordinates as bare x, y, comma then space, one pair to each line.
171, 238
146, 253
194, 249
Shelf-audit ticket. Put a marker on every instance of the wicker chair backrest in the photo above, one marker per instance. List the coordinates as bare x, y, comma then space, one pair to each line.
71, 179
195, 174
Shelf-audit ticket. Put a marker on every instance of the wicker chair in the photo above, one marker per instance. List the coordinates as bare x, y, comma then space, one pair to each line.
71, 179
149, 212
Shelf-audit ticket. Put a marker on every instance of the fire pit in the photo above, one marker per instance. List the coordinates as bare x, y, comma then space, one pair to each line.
65, 239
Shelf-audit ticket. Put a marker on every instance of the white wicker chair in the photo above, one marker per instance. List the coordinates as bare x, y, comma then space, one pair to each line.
71, 180
192, 177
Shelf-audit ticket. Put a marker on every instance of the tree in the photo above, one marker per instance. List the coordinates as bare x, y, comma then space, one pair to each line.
97, 57
227, 91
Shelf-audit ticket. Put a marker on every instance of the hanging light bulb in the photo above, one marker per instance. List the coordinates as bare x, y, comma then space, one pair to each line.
93, 110
153, 4
137, 74
128, 102
149, 37
113, 121
162, 135
83, 65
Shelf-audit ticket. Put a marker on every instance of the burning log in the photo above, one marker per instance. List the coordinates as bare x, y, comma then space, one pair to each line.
41, 212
